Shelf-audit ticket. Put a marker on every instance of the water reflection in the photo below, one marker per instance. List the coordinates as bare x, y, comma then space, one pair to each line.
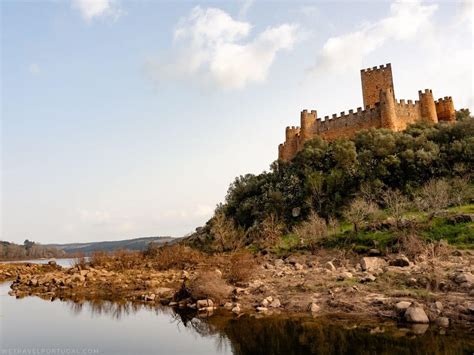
299, 334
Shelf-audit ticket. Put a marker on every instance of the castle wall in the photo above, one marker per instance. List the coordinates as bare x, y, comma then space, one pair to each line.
346, 125
382, 110
445, 109
373, 80
407, 113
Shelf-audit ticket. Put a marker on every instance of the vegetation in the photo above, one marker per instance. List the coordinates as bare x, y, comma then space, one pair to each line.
366, 191
29, 250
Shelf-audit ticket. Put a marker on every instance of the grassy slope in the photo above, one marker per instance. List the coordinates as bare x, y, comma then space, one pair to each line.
460, 235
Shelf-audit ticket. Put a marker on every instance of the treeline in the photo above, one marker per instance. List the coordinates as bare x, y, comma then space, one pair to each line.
326, 178
29, 250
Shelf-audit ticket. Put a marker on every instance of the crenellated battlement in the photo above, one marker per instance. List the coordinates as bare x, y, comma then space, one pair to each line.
381, 110
382, 67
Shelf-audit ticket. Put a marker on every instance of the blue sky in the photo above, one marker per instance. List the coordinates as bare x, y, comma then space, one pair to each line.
130, 118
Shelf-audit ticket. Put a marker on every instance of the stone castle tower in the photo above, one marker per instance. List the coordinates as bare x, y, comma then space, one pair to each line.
381, 110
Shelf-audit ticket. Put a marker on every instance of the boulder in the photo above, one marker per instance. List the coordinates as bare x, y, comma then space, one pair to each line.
402, 306
201, 304
228, 306
416, 314
52, 263
371, 263
400, 261
262, 309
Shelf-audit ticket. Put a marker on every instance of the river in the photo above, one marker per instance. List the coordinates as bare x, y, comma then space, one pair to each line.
35, 326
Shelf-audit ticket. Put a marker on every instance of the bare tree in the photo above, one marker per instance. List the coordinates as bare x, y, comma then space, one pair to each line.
360, 211
460, 191
433, 197
312, 231
226, 235
397, 204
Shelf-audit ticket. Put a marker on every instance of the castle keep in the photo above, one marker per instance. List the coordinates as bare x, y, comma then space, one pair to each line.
381, 110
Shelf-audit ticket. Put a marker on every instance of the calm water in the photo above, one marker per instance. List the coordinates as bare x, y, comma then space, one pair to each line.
67, 262
35, 326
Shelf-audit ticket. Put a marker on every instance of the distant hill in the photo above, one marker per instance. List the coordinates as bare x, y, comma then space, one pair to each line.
127, 244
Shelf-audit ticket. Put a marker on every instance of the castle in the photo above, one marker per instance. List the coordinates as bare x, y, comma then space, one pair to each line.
382, 110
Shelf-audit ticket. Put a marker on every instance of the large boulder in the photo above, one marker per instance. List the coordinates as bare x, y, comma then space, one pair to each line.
416, 314
369, 263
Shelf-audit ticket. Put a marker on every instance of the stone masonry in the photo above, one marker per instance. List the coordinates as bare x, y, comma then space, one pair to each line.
381, 110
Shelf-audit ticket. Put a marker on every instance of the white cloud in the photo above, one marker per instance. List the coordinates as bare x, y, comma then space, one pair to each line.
210, 45
346, 52
34, 69
91, 9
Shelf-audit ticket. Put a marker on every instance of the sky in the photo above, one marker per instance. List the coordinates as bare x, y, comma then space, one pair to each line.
122, 119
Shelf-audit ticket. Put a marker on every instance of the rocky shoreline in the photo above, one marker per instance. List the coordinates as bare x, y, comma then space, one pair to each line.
438, 291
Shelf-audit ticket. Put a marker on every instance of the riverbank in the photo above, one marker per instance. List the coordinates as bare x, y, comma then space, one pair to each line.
427, 290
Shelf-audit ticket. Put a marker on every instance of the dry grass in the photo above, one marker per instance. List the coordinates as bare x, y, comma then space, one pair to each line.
312, 231
173, 257
241, 268
209, 284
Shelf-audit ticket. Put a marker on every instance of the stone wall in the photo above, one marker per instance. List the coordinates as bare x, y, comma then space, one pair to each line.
373, 80
382, 110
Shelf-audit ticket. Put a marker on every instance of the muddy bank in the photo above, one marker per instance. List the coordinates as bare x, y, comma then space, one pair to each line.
437, 290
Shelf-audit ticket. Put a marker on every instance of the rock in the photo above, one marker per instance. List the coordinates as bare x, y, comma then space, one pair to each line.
330, 266
442, 322
470, 307
375, 252
400, 261
150, 297
344, 276
262, 309
201, 304
298, 266
464, 277
402, 306
228, 306
33, 282
371, 263
276, 303
52, 263
438, 306
264, 303
314, 308
236, 309
367, 278
416, 314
